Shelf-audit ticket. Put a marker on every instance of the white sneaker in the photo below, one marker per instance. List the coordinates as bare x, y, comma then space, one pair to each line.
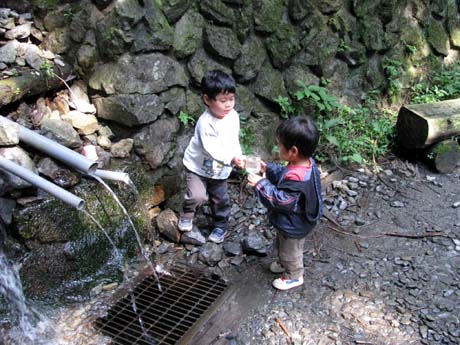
185, 224
275, 267
286, 284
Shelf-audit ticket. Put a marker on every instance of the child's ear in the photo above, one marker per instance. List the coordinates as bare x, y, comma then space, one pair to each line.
206, 99
294, 150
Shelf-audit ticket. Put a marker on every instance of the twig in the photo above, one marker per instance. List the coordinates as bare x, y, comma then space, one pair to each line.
392, 234
285, 330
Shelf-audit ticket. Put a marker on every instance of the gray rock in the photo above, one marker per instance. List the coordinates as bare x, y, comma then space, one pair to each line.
188, 34
60, 131
19, 32
20, 157
143, 74
268, 14
251, 59
122, 148
211, 254
233, 249
222, 42
129, 110
282, 45
216, 11
255, 243
61, 176
7, 207
193, 237
9, 51
167, 225
156, 142
269, 83
9, 133
174, 9
201, 63
173, 100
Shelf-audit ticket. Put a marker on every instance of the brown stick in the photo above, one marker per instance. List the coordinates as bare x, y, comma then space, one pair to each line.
392, 234
285, 330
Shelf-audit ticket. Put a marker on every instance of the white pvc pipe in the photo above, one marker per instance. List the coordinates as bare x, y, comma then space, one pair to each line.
113, 175
54, 149
40, 182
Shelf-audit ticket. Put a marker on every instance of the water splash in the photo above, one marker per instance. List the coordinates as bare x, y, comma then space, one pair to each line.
31, 322
125, 269
136, 233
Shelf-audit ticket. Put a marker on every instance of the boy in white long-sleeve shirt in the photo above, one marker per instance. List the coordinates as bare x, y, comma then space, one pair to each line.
212, 151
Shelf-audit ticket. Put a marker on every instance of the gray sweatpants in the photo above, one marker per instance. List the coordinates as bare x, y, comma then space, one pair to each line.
290, 254
198, 189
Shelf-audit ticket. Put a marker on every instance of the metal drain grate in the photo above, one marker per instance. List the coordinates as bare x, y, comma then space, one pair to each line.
162, 317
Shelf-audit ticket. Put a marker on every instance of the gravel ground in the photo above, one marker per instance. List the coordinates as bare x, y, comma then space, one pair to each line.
384, 269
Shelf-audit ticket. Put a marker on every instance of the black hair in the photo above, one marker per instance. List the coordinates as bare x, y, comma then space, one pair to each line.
217, 81
301, 132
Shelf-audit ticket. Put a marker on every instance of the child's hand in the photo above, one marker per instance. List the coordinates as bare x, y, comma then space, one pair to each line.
253, 179
263, 167
239, 162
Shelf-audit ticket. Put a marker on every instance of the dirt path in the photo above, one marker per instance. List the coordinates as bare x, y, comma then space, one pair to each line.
387, 271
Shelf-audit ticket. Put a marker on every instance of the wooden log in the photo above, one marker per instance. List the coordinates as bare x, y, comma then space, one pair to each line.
30, 83
420, 125
445, 156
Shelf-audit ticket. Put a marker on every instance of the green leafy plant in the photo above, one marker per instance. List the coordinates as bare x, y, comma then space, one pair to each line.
392, 69
343, 46
48, 69
247, 140
69, 14
360, 134
287, 109
440, 86
186, 119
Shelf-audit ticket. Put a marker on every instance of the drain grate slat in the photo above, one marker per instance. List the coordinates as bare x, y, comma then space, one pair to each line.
161, 317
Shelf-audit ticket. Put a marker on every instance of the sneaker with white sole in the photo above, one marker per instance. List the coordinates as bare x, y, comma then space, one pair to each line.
185, 224
286, 284
217, 235
275, 267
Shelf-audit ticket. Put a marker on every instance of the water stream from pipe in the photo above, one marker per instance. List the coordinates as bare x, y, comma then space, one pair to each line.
136, 233
124, 268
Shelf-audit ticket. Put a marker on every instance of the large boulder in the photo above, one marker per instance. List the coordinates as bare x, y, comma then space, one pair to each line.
156, 142
142, 74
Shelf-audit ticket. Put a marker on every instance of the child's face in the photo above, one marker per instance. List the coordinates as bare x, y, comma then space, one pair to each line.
222, 105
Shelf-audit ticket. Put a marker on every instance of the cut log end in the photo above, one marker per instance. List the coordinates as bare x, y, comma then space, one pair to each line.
445, 156
412, 130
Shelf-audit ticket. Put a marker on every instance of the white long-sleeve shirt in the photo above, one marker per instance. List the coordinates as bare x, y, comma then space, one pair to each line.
213, 145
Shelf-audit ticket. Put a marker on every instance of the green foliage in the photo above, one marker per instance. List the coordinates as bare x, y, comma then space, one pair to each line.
287, 109
343, 46
441, 86
186, 119
48, 69
319, 95
358, 134
392, 69
247, 140
69, 14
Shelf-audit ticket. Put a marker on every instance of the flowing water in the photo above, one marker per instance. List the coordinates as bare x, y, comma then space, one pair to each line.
30, 322
136, 233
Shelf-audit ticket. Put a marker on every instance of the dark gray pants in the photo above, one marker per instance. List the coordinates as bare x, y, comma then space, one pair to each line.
198, 189
290, 254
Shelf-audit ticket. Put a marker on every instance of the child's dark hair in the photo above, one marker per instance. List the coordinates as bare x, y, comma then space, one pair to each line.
301, 132
217, 81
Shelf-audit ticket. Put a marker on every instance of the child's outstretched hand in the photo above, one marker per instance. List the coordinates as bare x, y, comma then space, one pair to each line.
253, 179
239, 161
263, 167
